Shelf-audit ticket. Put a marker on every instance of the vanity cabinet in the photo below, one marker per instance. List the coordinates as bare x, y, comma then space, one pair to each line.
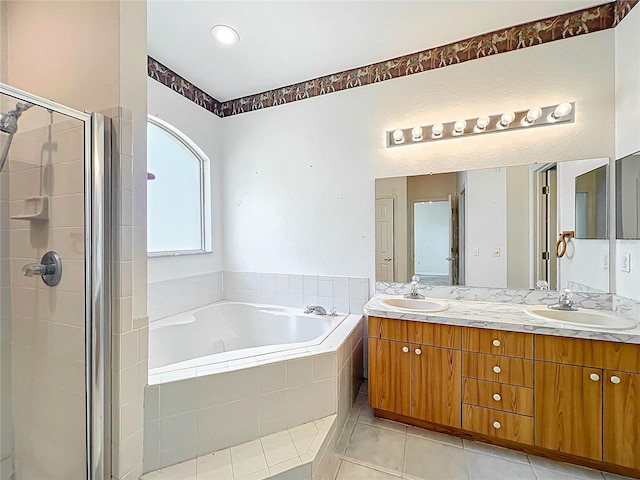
414, 370
571, 399
588, 399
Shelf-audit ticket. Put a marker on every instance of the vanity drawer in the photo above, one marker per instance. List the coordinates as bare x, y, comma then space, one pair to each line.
498, 342
388, 328
498, 396
435, 334
496, 368
588, 353
495, 423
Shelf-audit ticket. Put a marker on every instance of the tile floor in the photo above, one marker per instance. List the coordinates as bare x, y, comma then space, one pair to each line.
375, 449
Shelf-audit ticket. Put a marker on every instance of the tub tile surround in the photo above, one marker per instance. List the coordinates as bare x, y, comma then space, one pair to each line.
345, 294
299, 453
171, 297
222, 406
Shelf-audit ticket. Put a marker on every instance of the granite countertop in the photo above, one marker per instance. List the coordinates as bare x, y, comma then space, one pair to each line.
499, 316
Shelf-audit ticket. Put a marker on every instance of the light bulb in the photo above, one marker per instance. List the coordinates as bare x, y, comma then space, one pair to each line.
533, 114
562, 110
483, 122
459, 126
398, 136
507, 118
437, 129
225, 34
416, 134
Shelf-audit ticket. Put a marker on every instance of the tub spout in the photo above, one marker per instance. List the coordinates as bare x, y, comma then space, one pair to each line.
316, 309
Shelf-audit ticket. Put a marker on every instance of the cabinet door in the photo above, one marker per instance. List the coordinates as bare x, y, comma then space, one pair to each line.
436, 382
622, 418
569, 409
389, 378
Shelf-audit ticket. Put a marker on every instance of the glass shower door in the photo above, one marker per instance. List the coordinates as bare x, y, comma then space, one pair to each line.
45, 282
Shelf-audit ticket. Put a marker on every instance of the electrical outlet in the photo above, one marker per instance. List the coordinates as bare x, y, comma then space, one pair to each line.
496, 252
605, 262
625, 264
476, 251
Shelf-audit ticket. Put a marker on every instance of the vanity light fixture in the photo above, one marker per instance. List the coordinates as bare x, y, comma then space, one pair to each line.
416, 134
459, 126
398, 136
483, 122
501, 122
532, 115
507, 118
562, 110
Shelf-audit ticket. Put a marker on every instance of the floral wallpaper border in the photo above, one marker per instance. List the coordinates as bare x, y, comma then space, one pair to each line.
530, 34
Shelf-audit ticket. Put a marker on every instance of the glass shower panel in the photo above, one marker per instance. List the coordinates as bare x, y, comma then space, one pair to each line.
42, 335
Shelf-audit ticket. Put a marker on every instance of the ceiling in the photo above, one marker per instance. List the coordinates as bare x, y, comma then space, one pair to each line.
285, 42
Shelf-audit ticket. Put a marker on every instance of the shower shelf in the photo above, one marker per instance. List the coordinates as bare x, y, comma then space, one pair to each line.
35, 209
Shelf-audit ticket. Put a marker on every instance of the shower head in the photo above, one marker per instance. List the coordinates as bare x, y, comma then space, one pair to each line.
9, 124
9, 121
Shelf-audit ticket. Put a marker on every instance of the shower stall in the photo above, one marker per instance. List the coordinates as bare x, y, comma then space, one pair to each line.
54, 290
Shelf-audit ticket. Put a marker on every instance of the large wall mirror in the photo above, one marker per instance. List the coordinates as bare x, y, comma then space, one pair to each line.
497, 227
628, 197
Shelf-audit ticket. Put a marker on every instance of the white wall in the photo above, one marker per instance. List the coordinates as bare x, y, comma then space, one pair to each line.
298, 179
627, 69
486, 192
203, 128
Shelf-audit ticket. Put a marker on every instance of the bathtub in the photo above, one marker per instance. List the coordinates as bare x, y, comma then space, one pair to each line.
210, 338
232, 372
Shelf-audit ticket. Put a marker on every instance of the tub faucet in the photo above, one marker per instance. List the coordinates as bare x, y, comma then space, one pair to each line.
414, 288
565, 302
315, 309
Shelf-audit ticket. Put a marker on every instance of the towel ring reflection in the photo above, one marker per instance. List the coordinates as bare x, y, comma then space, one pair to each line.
561, 244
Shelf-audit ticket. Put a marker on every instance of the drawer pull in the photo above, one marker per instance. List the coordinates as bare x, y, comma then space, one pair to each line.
615, 379
418, 351
497, 397
405, 349
496, 425
497, 369
496, 343
595, 377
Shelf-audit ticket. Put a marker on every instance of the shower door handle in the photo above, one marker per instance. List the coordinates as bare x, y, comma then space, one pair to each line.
49, 268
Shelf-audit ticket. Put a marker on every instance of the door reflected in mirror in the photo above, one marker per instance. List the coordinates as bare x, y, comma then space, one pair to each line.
496, 227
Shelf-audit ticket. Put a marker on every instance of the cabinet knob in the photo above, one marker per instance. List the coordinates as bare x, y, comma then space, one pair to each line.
497, 369
496, 425
595, 377
418, 351
496, 343
405, 349
497, 397
615, 379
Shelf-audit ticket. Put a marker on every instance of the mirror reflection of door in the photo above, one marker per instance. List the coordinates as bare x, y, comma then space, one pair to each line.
432, 241
546, 226
384, 240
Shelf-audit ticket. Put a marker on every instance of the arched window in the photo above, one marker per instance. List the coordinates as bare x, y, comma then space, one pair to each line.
178, 192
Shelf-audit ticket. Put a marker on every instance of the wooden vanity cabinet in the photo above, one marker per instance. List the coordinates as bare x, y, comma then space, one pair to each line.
414, 370
571, 399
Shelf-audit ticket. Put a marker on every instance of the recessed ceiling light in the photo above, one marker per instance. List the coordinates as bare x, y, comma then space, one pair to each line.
225, 34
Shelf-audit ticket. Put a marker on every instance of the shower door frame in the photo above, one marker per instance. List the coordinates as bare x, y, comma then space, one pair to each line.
97, 271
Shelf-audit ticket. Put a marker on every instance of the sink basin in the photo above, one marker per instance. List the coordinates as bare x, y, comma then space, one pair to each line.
584, 317
416, 305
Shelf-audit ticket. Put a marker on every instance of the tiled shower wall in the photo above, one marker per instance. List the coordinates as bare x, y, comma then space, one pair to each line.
130, 334
345, 294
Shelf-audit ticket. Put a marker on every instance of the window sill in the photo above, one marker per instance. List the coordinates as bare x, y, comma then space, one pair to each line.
177, 253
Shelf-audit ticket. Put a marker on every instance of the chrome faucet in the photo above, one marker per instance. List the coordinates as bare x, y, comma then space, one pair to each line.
565, 302
414, 288
315, 309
